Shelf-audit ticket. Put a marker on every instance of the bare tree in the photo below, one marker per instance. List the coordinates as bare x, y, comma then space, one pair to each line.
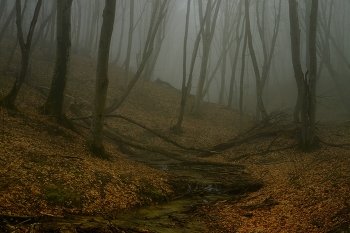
208, 33
102, 80
235, 59
42, 27
255, 63
54, 101
309, 104
9, 99
151, 63
156, 20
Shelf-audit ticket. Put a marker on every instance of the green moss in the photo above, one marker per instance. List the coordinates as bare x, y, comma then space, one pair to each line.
61, 196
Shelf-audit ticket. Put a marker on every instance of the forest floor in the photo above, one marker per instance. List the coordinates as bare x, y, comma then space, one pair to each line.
47, 170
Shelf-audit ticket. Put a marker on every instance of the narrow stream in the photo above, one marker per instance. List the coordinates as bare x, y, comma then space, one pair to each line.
206, 184
198, 184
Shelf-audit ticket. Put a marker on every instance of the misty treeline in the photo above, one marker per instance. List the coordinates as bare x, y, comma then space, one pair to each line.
255, 56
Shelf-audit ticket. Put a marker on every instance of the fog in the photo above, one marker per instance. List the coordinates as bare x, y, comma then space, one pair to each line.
280, 91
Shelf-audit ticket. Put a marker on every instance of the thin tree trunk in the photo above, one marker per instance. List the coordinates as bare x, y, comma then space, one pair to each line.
130, 36
77, 42
121, 36
7, 23
3, 4
238, 44
42, 27
154, 25
177, 127
241, 90
208, 34
313, 74
225, 38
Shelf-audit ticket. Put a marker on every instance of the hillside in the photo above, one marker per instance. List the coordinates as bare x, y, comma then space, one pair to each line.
47, 170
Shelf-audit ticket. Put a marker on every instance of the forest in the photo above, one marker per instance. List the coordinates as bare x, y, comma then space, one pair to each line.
174, 116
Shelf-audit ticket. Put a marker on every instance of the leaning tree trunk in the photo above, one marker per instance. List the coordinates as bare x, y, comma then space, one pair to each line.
101, 84
9, 99
54, 103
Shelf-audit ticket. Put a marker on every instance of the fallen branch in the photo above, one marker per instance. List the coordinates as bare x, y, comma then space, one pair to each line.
179, 156
333, 144
151, 131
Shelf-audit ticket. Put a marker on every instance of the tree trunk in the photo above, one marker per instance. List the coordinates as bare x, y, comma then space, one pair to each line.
156, 20
225, 39
7, 23
241, 84
128, 52
42, 27
295, 46
267, 54
309, 106
208, 34
54, 103
255, 63
101, 84
77, 42
9, 99
3, 4
177, 127
235, 59
121, 36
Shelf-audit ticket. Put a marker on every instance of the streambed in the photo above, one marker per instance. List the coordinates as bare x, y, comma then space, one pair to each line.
195, 184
